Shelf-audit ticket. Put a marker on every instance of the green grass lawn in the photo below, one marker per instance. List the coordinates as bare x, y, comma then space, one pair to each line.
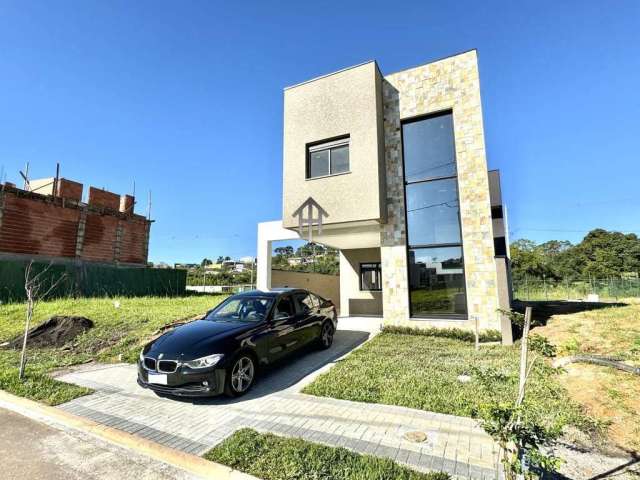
121, 326
271, 457
419, 371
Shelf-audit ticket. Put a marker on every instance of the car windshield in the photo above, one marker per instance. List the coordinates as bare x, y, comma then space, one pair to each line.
241, 309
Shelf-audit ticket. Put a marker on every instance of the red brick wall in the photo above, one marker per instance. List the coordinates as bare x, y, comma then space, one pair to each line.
133, 245
33, 225
38, 228
99, 237
103, 198
69, 189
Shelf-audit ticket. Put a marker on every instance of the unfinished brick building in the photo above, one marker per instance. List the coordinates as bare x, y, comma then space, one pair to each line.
49, 221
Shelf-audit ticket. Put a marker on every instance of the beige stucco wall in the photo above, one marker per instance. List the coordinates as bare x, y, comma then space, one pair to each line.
343, 103
352, 300
327, 286
449, 84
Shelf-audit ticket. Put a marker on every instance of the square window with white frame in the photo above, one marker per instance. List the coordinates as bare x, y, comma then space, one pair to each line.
328, 158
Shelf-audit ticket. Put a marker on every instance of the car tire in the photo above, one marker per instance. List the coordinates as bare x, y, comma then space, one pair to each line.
241, 375
326, 336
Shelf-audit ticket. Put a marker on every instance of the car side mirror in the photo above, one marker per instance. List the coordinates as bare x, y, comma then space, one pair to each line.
282, 316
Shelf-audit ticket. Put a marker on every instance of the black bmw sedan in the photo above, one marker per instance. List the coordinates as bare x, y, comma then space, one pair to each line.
222, 352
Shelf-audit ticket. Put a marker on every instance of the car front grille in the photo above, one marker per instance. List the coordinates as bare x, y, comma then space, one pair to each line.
167, 366
149, 363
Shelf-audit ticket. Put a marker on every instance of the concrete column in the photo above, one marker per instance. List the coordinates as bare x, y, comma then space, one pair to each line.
82, 222
395, 284
268, 232
345, 289
504, 298
146, 240
117, 242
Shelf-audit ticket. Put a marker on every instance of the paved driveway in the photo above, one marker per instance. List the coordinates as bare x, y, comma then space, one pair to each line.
454, 444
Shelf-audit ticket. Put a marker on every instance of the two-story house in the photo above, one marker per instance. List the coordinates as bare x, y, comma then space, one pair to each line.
391, 170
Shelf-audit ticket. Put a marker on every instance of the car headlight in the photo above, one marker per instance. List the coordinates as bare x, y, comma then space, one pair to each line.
142, 356
204, 362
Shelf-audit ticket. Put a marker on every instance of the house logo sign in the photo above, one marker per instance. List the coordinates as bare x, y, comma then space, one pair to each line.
308, 207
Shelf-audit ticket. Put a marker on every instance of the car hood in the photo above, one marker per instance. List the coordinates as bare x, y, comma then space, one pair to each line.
197, 339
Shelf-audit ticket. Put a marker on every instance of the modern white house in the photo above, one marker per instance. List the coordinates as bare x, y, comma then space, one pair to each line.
391, 170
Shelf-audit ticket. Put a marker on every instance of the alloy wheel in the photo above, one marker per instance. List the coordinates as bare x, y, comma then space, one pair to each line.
327, 335
242, 374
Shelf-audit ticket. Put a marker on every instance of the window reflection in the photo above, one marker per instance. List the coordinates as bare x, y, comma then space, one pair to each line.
436, 281
428, 148
432, 212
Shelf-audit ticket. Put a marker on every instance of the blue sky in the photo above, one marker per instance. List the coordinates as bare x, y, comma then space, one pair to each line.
185, 99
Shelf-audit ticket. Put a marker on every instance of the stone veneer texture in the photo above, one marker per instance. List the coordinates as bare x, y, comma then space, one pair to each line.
449, 84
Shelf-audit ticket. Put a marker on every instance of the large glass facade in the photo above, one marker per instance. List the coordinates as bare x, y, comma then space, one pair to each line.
436, 264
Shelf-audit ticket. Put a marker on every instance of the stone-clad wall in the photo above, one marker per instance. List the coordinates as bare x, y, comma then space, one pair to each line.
449, 84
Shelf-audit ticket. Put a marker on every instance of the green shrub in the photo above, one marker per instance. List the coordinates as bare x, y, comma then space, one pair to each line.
540, 344
455, 333
271, 457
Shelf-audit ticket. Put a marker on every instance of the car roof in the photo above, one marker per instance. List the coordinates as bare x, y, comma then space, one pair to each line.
274, 292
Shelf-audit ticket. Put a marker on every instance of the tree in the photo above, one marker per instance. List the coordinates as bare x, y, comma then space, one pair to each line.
522, 441
205, 262
527, 260
286, 251
600, 254
36, 289
604, 254
220, 259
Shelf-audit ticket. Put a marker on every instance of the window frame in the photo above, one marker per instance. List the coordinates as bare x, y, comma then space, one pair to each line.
327, 145
433, 316
378, 270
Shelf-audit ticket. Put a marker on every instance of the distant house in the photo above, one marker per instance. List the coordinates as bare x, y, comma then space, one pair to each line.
213, 268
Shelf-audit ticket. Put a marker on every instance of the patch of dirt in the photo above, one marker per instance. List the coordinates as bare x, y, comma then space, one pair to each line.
55, 332
613, 331
610, 396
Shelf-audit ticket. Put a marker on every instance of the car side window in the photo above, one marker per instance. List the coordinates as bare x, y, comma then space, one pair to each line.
317, 301
284, 308
305, 302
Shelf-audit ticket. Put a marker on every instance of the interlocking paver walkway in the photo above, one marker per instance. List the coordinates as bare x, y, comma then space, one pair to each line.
456, 445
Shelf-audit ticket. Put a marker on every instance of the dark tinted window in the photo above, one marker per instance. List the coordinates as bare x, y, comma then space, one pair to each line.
428, 148
284, 308
436, 267
436, 281
370, 276
432, 212
305, 302
500, 246
317, 301
242, 309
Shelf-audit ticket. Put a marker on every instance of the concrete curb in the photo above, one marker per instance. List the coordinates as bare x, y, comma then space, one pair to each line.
192, 464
